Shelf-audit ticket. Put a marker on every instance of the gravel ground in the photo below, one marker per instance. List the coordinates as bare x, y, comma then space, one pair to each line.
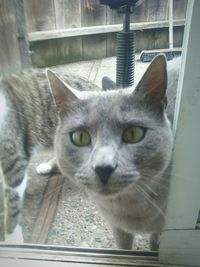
78, 223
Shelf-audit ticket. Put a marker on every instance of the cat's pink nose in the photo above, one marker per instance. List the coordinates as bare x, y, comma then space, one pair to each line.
104, 172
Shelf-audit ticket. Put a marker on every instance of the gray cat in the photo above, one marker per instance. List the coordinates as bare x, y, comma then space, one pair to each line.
115, 145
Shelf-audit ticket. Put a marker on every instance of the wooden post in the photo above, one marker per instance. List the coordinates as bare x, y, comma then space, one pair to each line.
14, 53
21, 34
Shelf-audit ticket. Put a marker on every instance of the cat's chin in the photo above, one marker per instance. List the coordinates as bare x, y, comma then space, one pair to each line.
106, 192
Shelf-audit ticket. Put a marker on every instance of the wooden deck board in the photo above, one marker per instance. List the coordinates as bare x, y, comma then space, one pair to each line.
47, 210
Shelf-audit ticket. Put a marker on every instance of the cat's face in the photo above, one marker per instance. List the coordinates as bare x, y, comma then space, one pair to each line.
108, 141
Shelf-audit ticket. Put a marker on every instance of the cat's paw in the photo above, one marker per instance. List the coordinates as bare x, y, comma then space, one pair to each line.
44, 168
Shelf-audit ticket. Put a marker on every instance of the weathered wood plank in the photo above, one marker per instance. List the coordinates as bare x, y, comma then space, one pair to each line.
111, 44
113, 17
154, 10
157, 39
40, 15
9, 53
54, 34
94, 47
22, 34
56, 51
47, 210
93, 15
151, 11
68, 14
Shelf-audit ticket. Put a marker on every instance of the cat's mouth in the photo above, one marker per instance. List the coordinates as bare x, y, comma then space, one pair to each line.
115, 188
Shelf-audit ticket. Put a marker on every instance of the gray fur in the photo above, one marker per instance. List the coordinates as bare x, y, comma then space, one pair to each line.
134, 198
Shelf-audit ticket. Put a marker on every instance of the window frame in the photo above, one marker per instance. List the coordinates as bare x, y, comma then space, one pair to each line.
180, 239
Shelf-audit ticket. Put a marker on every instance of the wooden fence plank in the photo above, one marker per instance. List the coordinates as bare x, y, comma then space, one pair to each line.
151, 11
9, 52
67, 14
47, 210
114, 17
22, 33
94, 47
56, 51
94, 15
111, 44
40, 15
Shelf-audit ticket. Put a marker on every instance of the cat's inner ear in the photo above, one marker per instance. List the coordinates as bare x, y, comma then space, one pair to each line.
153, 84
61, 91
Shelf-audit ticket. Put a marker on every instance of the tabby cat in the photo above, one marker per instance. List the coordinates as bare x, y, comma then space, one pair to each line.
115, 145
28, 121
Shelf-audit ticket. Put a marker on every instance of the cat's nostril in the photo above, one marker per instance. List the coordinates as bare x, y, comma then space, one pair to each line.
104, 173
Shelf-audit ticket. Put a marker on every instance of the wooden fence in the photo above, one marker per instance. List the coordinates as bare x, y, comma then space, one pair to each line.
62, 31
65, 14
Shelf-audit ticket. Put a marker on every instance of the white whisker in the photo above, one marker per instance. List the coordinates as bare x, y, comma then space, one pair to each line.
146, 195
149, 188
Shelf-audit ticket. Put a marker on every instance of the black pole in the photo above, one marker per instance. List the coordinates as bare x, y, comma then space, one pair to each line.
125, 46
125, 53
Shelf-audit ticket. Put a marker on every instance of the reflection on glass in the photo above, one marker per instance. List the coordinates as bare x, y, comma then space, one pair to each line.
114, 151
125, 180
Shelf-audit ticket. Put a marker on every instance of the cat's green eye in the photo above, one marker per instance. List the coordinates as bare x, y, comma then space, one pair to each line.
133, 134
80, 138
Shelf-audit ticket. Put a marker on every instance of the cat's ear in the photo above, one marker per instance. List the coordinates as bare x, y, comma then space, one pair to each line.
152, 86
61, 91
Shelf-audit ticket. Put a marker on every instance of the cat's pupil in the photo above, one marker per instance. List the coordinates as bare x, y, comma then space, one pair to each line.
133, 134
80, 138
